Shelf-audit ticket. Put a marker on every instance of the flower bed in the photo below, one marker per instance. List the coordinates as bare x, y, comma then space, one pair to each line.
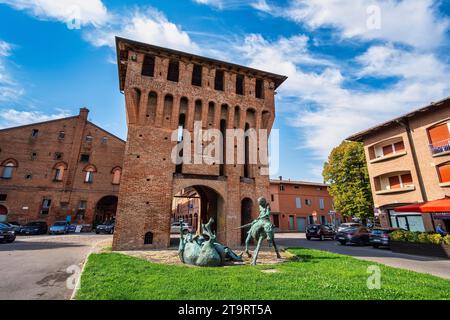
421, 243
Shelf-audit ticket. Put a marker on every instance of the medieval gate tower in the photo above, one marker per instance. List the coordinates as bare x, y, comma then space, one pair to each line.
166, 90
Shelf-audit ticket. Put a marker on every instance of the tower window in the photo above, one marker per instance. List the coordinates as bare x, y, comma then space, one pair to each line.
34, 133
84, 158
148, 238
218, 81
174, 71
240, 84
148, 67
197, 75
259, 89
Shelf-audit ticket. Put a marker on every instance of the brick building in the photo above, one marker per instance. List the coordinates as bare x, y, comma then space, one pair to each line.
295, 204
408, 160
166, 90
59, 168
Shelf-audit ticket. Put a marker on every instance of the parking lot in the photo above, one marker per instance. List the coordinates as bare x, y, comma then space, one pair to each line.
39, 267
435, 266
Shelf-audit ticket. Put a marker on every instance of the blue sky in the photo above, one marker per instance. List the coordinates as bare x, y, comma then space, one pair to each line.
351, 64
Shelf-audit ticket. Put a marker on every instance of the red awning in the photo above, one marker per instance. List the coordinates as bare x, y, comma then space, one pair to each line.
442, 205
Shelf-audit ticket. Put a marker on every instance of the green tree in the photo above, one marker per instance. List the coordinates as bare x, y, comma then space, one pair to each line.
346, 172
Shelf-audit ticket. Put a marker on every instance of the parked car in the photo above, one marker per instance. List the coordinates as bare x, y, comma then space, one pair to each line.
105, 228
356, 235
13, 225
347, 225
34, 228
59, 227
319, 231
379, 237
7, 234
175, 227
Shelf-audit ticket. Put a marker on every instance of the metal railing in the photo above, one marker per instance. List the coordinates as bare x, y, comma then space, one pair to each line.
440, 147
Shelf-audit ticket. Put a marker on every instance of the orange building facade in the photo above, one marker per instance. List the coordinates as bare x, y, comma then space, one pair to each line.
408, 160
295, 204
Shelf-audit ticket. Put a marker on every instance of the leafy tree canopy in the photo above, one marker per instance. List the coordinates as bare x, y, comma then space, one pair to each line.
346, 172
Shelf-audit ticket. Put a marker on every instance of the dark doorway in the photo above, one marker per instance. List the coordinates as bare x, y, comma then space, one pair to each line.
246, 216
447, 225
105, 210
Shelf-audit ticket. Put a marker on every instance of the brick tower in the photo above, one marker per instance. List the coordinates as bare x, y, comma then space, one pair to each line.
166, 90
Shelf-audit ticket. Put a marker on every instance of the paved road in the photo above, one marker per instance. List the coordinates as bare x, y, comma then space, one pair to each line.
435, 266
35, 267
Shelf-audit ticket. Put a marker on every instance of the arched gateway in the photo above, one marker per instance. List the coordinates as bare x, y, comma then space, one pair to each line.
178, 96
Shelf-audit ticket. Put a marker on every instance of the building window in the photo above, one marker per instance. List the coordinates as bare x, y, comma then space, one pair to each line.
89, 138
298, 202
444, 172
310, 220
45, 207
3, 197
148, 67
116, 174
104, 140
33, 156
308, 202
82, 206
58, 156
281, 187
61, 135
89, 178
148, 238
439, 138
197, 75
8, 169
174, 71
259, 89
59, 174
84, 158
402, 181
321, 203
218, 80
34, 133
323, 220
28, 176
240, 84
272, 198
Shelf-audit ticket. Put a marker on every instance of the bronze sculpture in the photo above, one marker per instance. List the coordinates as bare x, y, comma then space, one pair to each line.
203, 250
260, 229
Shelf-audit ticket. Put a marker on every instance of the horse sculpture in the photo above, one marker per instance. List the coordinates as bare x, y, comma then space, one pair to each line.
203, 250
260, 229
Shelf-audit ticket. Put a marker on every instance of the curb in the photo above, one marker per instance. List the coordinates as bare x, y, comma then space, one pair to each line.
94, 249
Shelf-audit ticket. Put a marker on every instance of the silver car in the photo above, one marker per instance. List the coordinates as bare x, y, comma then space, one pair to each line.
175, 227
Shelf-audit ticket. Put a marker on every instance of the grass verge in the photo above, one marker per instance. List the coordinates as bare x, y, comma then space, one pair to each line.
318, 275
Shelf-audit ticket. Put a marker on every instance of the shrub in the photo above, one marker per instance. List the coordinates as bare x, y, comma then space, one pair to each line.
412, 236
398, 235
435, 238
446, 239
424, 238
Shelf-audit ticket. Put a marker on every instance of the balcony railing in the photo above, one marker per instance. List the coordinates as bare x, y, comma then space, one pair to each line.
440, 147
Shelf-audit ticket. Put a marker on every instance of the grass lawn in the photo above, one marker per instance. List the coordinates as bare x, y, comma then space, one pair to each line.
320, 275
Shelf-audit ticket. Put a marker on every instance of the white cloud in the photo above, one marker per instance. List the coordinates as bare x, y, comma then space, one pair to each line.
261, 5
13, 118
328, 110
149, 26
214, 3
411, 22
9, 89
85, 11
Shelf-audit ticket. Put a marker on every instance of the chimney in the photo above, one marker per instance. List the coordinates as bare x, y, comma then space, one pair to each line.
281, 178
84, 114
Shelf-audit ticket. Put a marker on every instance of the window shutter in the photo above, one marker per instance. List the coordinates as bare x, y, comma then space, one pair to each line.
444, 172
387, 150
439, 135
407, 179
399, 146
394, 182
